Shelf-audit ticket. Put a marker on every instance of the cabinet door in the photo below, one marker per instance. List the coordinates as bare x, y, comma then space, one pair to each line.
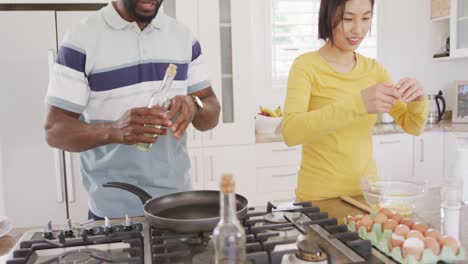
33, 186
459, 28
394, 155
76, 195
452, 141
238, 161
196, 168
429, 158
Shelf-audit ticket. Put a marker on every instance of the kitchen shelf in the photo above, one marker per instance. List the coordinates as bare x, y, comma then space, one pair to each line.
441, 19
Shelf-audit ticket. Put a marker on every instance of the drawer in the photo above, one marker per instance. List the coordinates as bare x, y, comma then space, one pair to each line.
277, 154
277, 179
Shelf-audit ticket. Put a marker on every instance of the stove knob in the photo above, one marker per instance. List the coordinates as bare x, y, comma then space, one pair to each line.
61, 237
128, 224
84, 234
48, 231
69, 229
107, 225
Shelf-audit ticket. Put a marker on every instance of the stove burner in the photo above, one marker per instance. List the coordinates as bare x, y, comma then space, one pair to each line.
85, 256
308, 250
279, 217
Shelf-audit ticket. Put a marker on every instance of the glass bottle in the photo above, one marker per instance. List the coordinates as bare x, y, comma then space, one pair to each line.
228, 235
160, 97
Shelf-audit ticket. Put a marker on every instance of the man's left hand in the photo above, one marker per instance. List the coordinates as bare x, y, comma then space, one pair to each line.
186, 108
410, 90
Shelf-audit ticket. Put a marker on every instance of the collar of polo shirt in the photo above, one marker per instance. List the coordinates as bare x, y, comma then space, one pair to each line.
113, 18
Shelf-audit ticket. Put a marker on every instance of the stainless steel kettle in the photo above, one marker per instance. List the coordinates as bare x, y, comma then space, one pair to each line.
436, 110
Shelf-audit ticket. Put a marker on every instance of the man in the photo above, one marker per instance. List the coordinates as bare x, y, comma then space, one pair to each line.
106, 70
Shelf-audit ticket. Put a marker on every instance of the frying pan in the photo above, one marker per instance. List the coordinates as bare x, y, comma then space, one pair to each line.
182, 212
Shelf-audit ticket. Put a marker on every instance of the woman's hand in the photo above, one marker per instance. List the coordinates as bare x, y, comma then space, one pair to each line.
410, 90
379, 98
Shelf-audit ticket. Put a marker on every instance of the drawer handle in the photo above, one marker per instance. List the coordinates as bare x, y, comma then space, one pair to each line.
283, 175
390, 142
284, 150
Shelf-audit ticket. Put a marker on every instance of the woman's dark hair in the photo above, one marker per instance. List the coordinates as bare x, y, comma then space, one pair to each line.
330, 15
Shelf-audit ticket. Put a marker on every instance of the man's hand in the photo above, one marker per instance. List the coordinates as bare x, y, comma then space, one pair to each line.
379, 98
135, 123
185, 107
410, 90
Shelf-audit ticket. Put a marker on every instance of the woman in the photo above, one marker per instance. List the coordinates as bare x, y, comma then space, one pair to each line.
332, 100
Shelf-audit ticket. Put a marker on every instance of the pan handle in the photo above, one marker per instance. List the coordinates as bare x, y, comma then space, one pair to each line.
142, 194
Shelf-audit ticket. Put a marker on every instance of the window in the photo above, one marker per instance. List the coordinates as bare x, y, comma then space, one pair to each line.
294, 26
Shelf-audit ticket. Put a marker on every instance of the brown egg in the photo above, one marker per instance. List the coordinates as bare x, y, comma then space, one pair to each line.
386, 211
421, 227
366, 222
350, 218
413, 246
396, 241
390, 224
432, 244
397, 217
450, 242
408, 222
416, 234
380, 218
434, 233
401, 230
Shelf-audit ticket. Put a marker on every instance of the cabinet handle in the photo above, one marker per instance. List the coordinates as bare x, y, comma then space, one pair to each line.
390, 142
284, 200
211, 168
284, 150
283, 175
196, 169
58, 174
51, 60
70, 177
211, 134
422, 150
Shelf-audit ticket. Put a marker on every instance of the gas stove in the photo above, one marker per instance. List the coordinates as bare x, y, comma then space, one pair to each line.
298, 233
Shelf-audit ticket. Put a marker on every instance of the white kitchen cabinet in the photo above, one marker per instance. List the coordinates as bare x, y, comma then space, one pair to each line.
459, 28
225, 37
394, 155
40, 183
452, 141
429, 158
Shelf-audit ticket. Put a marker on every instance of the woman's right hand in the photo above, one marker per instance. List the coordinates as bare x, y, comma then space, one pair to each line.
136, 122
380, 98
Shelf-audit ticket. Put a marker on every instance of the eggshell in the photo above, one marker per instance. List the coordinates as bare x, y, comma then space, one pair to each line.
421, 227
413, 246
432, 244
366, 222
386, 211
397, 217
434, 233
380, 218
390, 224
408, 222
401, 230
416, 234
396, 241
450, 242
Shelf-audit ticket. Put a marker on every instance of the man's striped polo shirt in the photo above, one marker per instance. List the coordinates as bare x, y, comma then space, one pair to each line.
106, 66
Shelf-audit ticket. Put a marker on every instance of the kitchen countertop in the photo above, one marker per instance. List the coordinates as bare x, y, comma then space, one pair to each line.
428, 212
382, 129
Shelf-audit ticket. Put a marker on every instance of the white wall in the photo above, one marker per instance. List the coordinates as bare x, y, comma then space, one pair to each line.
405, 47
2, 198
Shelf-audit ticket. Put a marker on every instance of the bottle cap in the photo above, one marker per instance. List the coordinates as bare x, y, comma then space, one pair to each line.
227, 183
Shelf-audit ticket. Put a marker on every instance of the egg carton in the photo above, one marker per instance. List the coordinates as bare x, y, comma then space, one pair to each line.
381, 239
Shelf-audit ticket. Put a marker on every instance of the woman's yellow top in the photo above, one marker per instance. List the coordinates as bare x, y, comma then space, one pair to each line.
324, 113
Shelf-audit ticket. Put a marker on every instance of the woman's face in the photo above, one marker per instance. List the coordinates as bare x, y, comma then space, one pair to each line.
357, 20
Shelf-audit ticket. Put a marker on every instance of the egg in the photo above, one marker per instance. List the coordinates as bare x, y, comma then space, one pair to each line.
413, 246
432, 244
397, 217
380, 218
386, 211
421, 227
396, 241
366, 222
408, 222
390, 224
401, 230
450, 242
416, 234
434, 233
351, 218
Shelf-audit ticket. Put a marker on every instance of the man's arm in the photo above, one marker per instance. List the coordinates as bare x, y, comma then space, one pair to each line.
65, 131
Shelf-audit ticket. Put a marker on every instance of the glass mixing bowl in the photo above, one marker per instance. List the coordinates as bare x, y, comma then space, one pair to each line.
401, 196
